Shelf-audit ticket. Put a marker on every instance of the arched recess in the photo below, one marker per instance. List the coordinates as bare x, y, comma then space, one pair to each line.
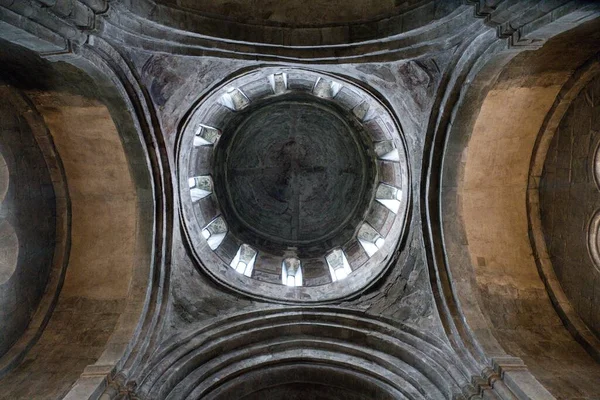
483, 259
101, 297
37, 211
408, 28
566, 306
261, 351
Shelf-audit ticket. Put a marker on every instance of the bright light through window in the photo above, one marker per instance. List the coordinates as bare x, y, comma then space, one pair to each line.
243, 262
339, 268
291, 272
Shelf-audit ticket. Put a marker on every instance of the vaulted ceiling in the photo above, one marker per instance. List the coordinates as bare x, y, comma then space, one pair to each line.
331, 200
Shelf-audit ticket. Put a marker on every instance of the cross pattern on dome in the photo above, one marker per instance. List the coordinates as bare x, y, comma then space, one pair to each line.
293, 180
294, 172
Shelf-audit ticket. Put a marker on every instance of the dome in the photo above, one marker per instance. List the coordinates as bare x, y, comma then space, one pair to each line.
294, 185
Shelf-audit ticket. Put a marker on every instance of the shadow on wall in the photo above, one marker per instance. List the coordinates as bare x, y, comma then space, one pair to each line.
295, 12
569, 203
9, 244
9, 251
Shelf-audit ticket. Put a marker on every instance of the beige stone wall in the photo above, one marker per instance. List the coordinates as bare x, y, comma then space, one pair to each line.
103, 198
104, 219
495, 218
495, 184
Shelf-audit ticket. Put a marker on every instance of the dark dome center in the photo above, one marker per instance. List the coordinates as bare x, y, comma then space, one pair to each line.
295, 174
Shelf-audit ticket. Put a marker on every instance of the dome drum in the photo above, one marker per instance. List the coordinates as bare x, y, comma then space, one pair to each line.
293, 185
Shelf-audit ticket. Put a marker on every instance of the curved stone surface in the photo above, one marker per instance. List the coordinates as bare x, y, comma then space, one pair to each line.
593, 233
9, 251
489, 284
295, 175
570, 200
220, 357
408, 34
103, 291
314, 32
294, 185
295, 12
567, 312
427, 91
27, 222
9, 243
4, 175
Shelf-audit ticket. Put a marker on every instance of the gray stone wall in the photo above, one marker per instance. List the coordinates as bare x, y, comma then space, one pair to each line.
29, 208
296, 11
569, 198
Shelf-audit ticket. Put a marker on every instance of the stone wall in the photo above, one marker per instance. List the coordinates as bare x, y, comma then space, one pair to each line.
160, 61
495, 215
296, 11
175, 83
99, 273
569, 199
105, 282
27, 223
488, 233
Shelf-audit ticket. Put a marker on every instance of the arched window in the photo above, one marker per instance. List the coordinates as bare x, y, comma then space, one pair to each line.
234, 99
370, 239
389, 196
200, 187
243, 262
339, 268
206, 136
387, 150
215, 232
291, 272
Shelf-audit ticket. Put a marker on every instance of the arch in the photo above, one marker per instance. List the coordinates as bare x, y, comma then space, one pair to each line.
395, 358
480, 241
412, 31
99, 299
569, 91
9, 251
301, 379
32, 218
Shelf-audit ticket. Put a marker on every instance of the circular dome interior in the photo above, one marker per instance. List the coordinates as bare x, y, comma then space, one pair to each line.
287, 162
294, 185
